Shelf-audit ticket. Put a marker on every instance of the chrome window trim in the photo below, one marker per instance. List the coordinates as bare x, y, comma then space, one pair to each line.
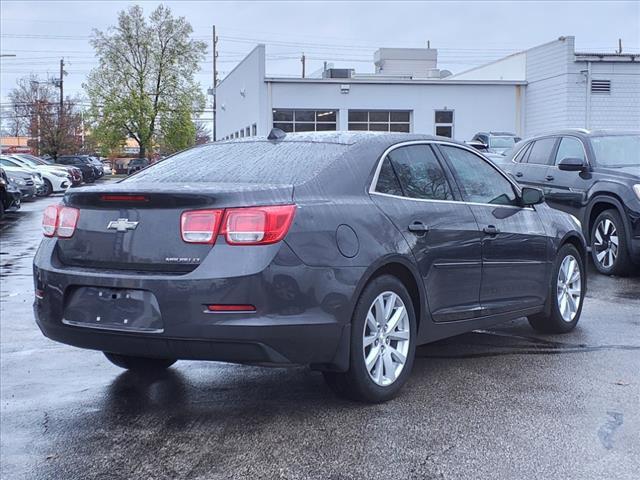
374, 182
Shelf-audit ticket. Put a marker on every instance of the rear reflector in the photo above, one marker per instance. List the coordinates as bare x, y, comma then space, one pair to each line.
200, 226
257, 225
60, 220
231, 308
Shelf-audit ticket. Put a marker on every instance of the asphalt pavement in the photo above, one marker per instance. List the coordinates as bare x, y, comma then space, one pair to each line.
505, 403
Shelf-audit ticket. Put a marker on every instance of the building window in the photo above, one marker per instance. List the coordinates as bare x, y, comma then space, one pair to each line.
254, 130
304, 120
380, 120
444, 123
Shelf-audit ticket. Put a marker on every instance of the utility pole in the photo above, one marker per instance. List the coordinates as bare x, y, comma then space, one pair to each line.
61, 85
215, 80
303, 64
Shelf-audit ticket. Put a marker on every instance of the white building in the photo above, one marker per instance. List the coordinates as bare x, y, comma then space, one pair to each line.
546, 87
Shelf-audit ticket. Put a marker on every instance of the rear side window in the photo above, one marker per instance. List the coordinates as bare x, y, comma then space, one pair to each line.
419, 173
387, 181
522, 155
479, 181
289, 162
540, 152
570, 147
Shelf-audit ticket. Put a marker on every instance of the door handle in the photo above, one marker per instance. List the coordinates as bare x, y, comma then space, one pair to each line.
548, 178
518, 174
491, 230
418, 227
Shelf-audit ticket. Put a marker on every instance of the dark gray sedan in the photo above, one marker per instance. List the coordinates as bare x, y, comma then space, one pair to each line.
339, 250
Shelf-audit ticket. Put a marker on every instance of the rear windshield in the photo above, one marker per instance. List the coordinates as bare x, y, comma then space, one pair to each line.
289, 162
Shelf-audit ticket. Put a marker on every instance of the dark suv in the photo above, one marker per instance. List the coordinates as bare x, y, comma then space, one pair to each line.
595, 176
89, 171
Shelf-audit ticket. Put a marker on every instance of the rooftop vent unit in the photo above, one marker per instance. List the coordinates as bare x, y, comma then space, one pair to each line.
338, 73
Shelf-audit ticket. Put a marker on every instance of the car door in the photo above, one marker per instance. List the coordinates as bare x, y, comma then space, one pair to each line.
567, 190
514, 242
532, 168
413, 190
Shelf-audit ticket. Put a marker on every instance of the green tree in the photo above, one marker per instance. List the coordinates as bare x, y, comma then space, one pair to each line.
178, 131
146, 72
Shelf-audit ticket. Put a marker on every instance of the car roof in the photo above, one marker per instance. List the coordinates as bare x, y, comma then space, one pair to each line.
583, 132
346, 138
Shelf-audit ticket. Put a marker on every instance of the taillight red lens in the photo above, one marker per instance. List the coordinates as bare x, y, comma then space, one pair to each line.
50, 220
67, 221
257, 225
60, 220
200, 226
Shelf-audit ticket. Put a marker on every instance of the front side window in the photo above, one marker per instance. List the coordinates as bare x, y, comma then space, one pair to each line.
380, 120
444, 123
290, 120
570, 147
540, 152
419, 173
479, 182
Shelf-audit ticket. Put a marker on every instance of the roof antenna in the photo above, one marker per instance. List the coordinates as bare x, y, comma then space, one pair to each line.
276, 134
619, 46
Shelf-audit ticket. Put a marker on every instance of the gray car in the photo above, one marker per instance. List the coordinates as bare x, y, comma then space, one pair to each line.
343, 251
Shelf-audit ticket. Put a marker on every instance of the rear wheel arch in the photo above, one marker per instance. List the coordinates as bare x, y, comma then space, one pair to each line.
404, 271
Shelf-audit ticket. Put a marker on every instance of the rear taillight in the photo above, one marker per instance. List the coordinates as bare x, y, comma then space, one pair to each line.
257, 225
50, 220
67, 221
60, 221
240, 226
200, 226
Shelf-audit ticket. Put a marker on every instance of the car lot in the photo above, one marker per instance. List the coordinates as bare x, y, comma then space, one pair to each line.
503, 403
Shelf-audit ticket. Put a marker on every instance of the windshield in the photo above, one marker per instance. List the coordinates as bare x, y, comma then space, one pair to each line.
244, 162
501, 142
617, 150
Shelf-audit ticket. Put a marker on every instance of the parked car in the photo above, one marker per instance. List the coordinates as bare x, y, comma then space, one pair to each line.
106, 166
9, 194
89, 171
56, 179
97, 164
15, 169
339, 250
594, 175
75, 173
497, 158
496, 142
24, 181
137, 164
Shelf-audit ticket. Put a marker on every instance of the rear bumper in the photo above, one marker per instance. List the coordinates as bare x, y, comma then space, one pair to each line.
302, 314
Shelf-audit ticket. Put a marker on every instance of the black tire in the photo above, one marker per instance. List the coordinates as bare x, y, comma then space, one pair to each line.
48, 188
139, 364
553, 321
1, 208
356, 383
621, 264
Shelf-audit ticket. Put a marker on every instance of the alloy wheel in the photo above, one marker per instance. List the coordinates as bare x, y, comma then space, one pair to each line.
386, 338
569, 288
605, 243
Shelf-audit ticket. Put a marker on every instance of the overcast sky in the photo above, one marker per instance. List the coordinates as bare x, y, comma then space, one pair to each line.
344, 33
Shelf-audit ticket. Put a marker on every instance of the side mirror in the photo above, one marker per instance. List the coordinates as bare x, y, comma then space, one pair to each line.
531, 196
572, 164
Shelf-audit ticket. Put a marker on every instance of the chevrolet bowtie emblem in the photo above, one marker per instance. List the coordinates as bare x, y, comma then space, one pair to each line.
122, 225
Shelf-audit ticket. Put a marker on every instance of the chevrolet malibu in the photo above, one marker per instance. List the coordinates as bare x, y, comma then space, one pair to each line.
342, 251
